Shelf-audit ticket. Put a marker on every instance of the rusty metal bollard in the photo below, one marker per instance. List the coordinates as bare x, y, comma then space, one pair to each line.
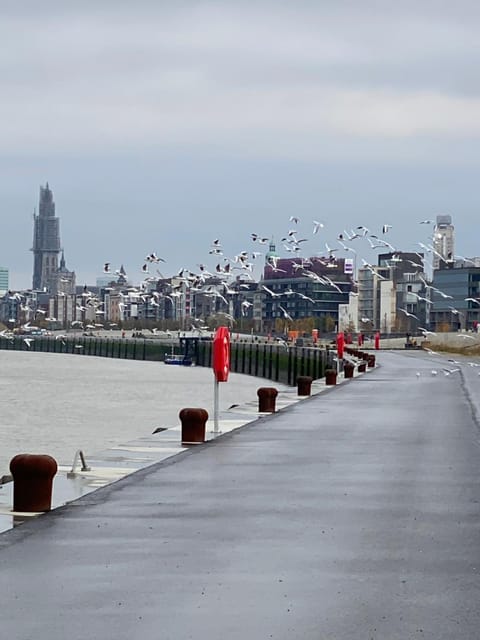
330, 377
362, 366
348, 369
304, 385
266, 399
32, 482
193, 425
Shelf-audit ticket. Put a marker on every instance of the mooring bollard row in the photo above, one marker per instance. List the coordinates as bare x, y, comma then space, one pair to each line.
266, 399
193, 425
32, 482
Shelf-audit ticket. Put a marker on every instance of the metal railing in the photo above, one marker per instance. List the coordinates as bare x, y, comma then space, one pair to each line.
79, 456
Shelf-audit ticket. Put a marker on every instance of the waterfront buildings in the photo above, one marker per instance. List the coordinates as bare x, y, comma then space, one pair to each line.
392, 296
293, 293
303, 291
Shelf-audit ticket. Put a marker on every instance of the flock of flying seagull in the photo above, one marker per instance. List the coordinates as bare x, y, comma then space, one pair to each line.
241, 267
243, 263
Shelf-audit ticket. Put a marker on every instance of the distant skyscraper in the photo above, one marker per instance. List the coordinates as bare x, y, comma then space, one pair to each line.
46, 241
3, 280
443, 241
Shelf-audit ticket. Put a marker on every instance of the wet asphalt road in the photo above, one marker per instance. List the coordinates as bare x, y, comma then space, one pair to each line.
352, 515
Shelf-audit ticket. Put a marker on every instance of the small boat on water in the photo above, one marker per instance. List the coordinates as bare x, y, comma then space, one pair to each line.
178, 359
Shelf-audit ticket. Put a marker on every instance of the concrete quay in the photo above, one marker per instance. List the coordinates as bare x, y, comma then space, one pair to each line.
353, 514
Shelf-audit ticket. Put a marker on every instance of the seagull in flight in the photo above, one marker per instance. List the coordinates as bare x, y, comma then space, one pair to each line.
317, 225
447, 372
304, 297
364, 230
426, 332
245, 305
407, 313
152, 257
270, 292
286, 315
330, 249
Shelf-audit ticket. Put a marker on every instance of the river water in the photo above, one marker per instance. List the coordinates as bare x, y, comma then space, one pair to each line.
56, 404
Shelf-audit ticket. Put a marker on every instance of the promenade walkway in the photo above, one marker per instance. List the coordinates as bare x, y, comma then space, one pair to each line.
350, 515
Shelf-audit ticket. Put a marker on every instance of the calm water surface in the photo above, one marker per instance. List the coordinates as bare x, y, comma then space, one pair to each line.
56, 404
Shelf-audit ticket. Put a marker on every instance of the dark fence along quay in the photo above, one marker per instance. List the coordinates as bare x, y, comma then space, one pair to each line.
276, 362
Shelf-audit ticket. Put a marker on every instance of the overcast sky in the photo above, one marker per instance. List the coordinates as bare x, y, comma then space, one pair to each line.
161, 126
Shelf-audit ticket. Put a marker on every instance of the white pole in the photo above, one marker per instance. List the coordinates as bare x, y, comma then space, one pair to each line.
215, 407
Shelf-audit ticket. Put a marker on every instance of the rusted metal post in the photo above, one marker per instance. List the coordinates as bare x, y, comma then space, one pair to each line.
266, 399
330, 377
32, 482
193, 425
304, 385
348, 369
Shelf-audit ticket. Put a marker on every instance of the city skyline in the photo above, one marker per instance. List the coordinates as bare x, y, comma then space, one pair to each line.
166, 127
314, 235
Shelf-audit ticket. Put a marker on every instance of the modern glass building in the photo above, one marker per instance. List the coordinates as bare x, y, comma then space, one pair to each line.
456, 298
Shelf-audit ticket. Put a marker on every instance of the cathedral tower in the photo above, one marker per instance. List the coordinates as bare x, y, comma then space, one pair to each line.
46, 241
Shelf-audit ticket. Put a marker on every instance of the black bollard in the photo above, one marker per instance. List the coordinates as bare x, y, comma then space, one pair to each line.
32, 482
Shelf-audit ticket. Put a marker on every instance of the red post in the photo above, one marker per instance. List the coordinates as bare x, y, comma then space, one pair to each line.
340, 344
377, 340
